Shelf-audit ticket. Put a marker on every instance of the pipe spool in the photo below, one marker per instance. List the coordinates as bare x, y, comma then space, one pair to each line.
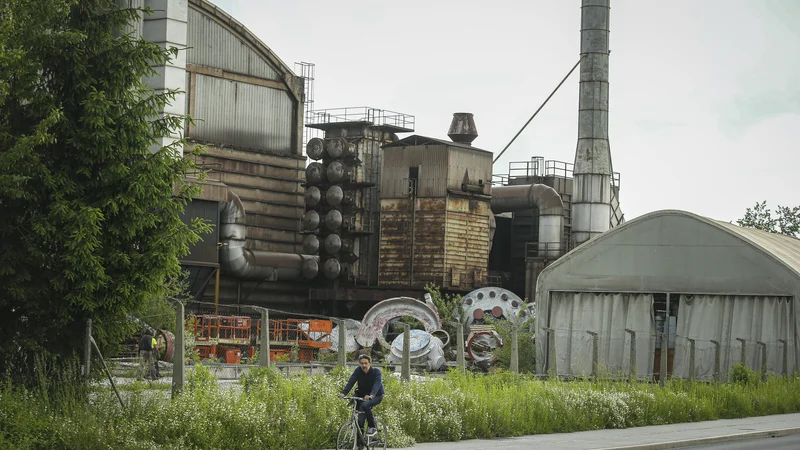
312, 196
472, 188
315, 149
337, 172
315, 173
331, 268
375, 320
310, 220
443, 336
333, 220
310, 244
334, 195
333, 243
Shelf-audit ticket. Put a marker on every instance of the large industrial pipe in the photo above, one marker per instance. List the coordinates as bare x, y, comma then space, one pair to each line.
591, 188
551, 211
244, 263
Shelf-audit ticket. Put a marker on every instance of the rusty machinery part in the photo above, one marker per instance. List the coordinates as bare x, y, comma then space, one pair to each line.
310, 244
333, 243
333, 220
338, 172
350, 328
332, 268
347, 270
424, 348
315, 149
315, 173
347, 245
443, 336
492, 301
312, 196
168, 349
334, 195
375, 320
310, 220
310, 268
348, 198
481, 340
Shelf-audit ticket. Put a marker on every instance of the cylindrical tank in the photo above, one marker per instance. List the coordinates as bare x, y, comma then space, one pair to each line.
312, 196
310, 220
333, 243
336, 147
337, 172
462, 128
333, 220
310, 268
310, 244
334, 195
315, 173
315, 149
331, 268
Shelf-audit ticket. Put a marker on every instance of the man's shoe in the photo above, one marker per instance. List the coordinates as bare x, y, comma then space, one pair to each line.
371, 431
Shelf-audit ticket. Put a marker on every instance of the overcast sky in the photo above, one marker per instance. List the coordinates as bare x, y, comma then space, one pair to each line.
704, 94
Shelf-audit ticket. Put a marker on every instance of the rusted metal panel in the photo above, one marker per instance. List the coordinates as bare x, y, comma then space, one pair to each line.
477, 163
395, 241
211, 44
243, 115
432, 161
467, 242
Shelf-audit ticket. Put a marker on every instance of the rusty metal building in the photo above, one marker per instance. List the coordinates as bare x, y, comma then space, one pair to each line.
435, 214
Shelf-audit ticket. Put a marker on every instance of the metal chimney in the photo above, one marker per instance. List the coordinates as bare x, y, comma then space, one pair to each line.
591, 188
462, 128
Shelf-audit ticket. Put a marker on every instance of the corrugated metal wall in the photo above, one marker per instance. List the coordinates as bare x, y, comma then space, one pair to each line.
467, 242
243, 115
433, 160
213, 45
477, 162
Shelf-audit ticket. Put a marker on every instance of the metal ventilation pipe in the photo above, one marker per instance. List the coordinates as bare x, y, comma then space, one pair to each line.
249, 264
551, 212
591, 188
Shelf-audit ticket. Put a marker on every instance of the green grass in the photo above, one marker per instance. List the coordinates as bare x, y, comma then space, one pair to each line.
270, 411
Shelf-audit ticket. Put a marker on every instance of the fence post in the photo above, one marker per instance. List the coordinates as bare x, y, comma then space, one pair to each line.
514, 364
632, 367
785, 356
743, 357
662, 376
691, 358
405, 373
342, 347
551, 360
87, 351
263, 357
717, 374
460, 359
763, 368
593, 334
179, 350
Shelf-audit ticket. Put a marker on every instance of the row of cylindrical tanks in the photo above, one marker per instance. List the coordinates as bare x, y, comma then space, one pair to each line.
331, 204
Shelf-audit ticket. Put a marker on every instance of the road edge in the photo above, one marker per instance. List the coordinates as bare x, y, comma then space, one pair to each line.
779, 432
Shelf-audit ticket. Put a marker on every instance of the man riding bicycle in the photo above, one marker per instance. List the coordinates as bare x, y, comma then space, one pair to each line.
370, 387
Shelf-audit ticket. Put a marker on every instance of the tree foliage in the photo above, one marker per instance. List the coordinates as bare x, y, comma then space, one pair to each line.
91, 216
785, 221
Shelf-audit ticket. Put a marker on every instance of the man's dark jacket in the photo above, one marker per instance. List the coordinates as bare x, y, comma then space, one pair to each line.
369, 383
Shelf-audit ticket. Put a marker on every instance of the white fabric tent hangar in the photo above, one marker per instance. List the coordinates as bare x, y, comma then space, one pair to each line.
723, 288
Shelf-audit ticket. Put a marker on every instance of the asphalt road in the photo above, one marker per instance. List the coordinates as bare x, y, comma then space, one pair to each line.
777, 443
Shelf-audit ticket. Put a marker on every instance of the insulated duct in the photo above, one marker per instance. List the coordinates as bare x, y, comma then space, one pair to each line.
591, 188
551, 212
244, 263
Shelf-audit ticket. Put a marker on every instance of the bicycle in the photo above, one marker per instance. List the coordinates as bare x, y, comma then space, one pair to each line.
350, 434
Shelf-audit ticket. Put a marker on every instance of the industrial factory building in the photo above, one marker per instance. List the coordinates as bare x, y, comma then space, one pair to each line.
729, 292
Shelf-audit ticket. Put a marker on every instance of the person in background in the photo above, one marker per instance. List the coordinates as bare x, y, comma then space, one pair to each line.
156, 349
145, 353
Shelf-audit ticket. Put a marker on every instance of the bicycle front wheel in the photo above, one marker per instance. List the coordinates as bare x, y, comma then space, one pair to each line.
346, 438
380, 440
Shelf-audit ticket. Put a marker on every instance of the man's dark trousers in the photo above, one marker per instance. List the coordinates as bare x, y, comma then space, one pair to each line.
367, 406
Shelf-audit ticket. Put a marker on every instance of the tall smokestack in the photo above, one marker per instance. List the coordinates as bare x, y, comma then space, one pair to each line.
591, 188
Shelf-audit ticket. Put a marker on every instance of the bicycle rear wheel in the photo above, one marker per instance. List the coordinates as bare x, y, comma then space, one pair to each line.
346, 438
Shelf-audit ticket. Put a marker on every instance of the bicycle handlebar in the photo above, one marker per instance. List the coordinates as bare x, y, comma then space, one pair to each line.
353, 398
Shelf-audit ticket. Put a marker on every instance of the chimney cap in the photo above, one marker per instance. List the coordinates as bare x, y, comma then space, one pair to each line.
462, 128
